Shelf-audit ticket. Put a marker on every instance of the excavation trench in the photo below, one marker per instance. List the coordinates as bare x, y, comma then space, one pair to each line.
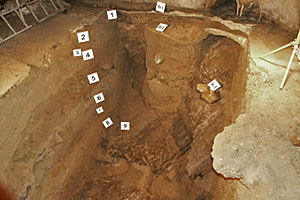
62, 150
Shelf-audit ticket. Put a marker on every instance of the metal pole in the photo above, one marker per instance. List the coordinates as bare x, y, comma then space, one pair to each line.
7, 23
53, 5
35, 17
289, 65
279, 49
43, 8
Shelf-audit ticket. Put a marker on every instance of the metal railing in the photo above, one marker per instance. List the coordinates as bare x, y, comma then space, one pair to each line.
18, 11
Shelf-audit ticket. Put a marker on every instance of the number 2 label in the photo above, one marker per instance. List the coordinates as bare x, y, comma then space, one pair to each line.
83, 37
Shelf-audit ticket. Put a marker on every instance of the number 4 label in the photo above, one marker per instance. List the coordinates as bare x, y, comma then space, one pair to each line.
107, 123
112, 14
160, 7
87, 55
83, 37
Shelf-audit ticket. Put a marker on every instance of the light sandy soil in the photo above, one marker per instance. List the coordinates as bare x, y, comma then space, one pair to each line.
54, 141
257, 147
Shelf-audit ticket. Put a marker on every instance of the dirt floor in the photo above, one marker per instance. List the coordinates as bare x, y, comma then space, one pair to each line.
53, 144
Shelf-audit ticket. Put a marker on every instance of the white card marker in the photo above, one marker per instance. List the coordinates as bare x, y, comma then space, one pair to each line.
107, 123
125, 126
214, 85
93, 78
99, 110
161, 27
87, 55
76, 52
83, 37
160, 7
112, 14
99, 97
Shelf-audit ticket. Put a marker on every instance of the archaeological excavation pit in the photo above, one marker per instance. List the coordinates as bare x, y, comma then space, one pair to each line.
54, 144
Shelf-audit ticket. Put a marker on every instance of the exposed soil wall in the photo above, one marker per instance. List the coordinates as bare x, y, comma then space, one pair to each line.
46, 120
282, 12
56, 146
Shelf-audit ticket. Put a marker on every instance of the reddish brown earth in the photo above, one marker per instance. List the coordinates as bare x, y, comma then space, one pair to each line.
57, 147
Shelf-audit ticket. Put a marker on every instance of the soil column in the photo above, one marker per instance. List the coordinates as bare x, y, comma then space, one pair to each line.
171, 60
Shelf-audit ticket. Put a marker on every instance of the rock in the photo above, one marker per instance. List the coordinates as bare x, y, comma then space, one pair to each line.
295, 139
206, 94
158, 59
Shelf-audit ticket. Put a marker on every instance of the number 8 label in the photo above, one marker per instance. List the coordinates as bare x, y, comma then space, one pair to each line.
107, 123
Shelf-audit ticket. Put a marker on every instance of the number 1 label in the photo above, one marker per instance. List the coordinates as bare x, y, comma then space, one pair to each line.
112, 14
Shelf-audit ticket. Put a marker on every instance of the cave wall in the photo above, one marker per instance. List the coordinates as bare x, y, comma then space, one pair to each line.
282, 12
43, 116
286, 13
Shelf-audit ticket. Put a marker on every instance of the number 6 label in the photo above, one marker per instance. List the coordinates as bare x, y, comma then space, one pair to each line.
112, 14
83, 37
99, 97
87, 55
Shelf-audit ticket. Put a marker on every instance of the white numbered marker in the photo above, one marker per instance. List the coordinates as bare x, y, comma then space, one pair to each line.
99, 97
161, 27
87, 55
76, 52
107, 123
125, 126
214, 85
83, 37
93, 78
99, 110
112, 14
160, 7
